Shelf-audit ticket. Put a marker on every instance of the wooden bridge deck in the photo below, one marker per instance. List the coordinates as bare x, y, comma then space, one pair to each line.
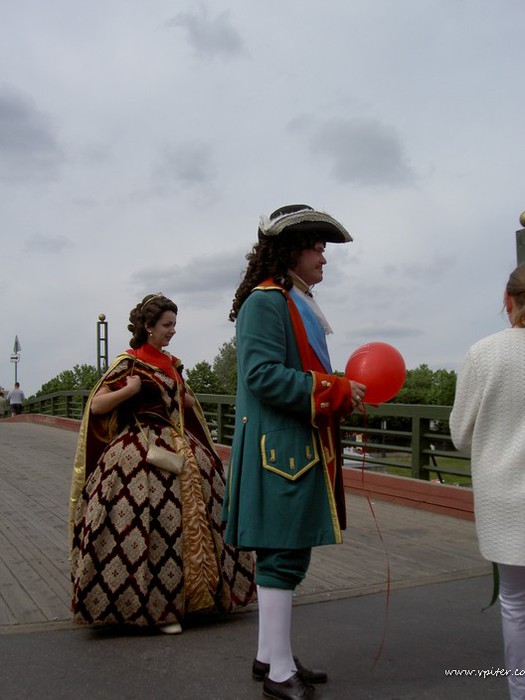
35, 472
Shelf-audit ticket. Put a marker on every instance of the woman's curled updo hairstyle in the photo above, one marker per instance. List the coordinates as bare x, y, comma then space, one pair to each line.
145, 315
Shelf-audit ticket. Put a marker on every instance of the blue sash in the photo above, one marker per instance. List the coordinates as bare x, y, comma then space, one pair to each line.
314, 330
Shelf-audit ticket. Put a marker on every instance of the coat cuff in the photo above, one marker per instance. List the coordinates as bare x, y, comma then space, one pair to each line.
331, 396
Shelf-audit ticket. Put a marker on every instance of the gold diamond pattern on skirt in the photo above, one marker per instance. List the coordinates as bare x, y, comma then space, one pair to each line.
105, 545
97, 600
121, 515
114, 574
135, 546
157, 550
129, 603
139, 487
156, 488
86, 572
157, 602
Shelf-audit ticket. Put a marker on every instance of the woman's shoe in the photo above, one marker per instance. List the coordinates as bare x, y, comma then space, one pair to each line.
173, 628
295, 688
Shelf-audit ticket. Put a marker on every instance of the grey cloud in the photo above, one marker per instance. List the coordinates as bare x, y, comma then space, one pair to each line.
95, 153
210, 279
363, 152
381, 300
384, 332
301, 123
210, 36
340, 259
46, 244
187, 165
29, 148
430, 270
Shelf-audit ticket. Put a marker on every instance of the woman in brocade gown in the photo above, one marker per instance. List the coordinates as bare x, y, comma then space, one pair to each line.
147, 544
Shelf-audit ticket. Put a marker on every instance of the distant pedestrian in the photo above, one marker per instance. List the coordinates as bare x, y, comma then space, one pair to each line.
3, 402
488, 421
16, 398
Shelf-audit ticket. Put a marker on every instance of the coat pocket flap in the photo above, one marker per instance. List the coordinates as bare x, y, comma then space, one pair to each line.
289, 452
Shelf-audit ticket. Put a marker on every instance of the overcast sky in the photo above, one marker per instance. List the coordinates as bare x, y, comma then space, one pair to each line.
141, 140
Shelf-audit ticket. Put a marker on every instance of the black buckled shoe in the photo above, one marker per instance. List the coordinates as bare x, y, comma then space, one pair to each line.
259, 671
295, 688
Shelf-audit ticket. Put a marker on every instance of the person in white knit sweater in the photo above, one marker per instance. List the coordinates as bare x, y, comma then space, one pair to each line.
488, 421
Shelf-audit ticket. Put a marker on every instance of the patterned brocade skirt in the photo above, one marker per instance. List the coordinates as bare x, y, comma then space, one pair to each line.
148, 544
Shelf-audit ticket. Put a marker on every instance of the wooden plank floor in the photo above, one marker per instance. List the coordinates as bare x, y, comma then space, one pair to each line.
35, 473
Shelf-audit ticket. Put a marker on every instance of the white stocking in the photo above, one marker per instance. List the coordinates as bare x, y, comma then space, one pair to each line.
275, 621
512, 600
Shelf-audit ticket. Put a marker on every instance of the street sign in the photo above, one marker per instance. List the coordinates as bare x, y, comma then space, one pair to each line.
15, 358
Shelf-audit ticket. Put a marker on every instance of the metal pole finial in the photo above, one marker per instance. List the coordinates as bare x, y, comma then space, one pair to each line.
520, 240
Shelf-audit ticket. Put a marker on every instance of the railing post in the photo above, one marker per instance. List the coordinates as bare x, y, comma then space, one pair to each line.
220, 421
419, 443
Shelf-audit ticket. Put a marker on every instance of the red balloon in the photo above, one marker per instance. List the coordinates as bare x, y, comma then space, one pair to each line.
381, 367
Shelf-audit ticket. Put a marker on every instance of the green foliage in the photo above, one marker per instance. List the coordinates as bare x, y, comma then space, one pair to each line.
221, 378
203, 380
429, 387
422, 385
225, 367
80, 377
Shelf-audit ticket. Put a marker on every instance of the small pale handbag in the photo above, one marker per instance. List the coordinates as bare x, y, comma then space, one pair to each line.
160, 457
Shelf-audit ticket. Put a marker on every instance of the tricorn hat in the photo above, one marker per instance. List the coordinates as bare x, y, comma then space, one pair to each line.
301, 217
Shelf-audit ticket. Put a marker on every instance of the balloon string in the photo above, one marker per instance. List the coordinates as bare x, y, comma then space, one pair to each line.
376, 522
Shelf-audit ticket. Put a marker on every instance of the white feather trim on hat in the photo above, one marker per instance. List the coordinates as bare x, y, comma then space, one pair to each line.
265, 223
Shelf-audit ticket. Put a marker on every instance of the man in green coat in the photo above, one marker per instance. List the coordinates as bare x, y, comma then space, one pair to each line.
285, 490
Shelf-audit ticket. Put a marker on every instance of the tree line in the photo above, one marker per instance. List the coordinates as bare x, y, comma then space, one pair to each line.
422, 385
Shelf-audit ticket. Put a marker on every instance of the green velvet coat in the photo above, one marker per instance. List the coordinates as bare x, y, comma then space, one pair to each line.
279, 493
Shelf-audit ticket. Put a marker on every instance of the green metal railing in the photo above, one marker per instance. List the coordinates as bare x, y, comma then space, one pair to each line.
411, 440
69, 404
219, 411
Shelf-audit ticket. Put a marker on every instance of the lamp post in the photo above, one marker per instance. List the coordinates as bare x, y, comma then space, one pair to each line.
102, 344
520, 240
15, 356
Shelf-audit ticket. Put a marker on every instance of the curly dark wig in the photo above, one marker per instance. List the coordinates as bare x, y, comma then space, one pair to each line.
273, 258
145, 315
